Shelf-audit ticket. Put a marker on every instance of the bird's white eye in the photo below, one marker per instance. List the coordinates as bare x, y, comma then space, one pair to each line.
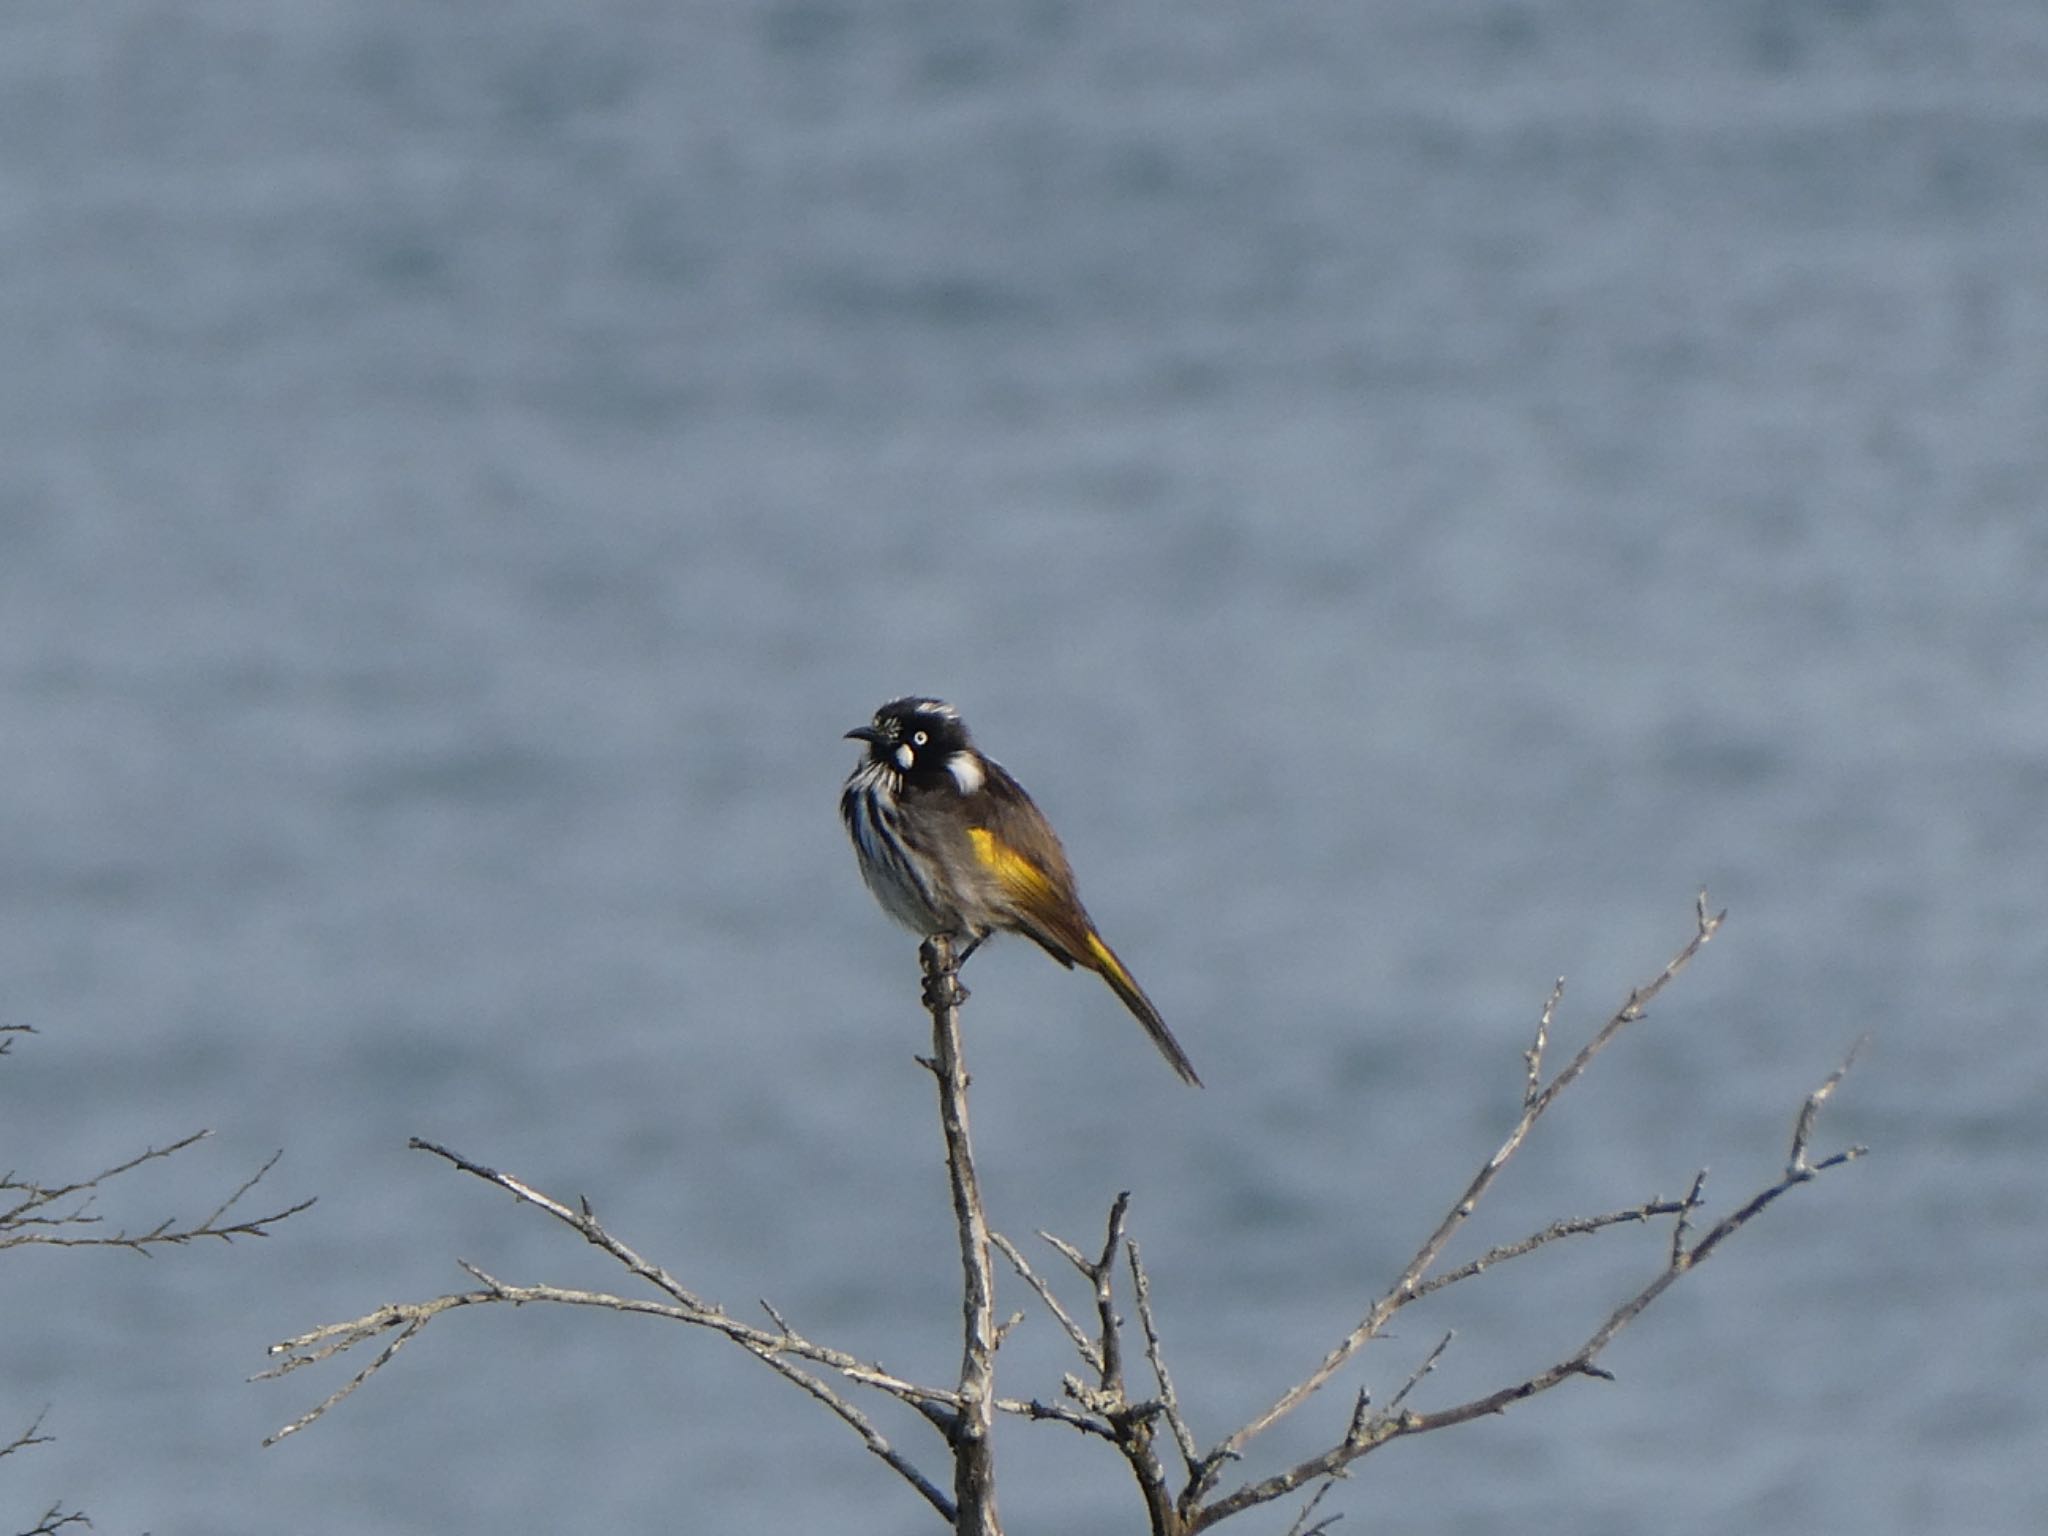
918, 738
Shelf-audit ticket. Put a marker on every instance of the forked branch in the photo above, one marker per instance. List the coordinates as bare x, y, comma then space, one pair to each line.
779, 1347
63, 1215
1367, 1429
1535, 1101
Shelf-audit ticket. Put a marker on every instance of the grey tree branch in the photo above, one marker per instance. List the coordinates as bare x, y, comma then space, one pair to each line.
974, 1474
62, 1215
1367, 1432
1403, 1289
33, 1435
1155, 1356
1571, 1226
1106, 1398
1132, 1421
778, 1349
1083, 1345
1301, 1526
1415, 1377
57, 1518
861, 1425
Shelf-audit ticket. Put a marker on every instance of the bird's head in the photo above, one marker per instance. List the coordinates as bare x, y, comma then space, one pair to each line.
921, 738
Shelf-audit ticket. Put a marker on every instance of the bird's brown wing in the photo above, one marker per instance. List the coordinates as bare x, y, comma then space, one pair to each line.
1013, 842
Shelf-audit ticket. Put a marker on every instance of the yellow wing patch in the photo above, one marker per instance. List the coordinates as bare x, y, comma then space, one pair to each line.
1022, 878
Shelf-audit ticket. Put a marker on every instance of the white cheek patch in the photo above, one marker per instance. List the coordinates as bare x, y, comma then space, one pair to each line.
966, 771
905, 757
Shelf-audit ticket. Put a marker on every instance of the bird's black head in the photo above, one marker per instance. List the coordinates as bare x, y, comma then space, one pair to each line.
915, 737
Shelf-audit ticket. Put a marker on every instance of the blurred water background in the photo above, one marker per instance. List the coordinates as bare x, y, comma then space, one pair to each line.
1416, 490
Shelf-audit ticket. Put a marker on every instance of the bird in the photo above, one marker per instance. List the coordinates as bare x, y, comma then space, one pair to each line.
949, 843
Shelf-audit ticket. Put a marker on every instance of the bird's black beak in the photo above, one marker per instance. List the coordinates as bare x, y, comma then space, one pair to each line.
866, 733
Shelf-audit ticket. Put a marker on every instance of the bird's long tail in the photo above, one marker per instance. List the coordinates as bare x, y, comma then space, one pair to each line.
1101, 959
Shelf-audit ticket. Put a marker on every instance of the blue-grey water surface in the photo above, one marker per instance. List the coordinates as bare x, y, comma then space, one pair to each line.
1416, 490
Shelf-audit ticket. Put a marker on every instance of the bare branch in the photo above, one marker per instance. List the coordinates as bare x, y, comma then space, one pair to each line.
1141, 1288
1367, 1433
778, 1349
1420, 1371
1679, 1228
62, 1214
56, 1517
1131, 1423
1067, 1251
1059, 1413
861, 1425
34, 1196
1404, 1289
1533, 1057
405, 1336
334, 1338
1802, 1130
33, 1435
583, 1221
1101, 1273
962, 1415
974, 1477
1100, 1404
1572, 1226
50, 1215
1083, 1345
1301, 1527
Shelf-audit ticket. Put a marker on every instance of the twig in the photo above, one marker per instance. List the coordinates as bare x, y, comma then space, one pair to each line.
1058, 1413
56, 1517
1081, 1342
1694, 1197
861, 1425
1533, 1057
1802, 1130
412, 1326
1141, 1288
331, 1339
1101, 1273
1109, 1396
1571, 1226
1301, 1527
1422, 1370
35, 1217
33, 1435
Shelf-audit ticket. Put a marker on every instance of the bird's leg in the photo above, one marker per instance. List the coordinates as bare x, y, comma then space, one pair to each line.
973, 943
943, 987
